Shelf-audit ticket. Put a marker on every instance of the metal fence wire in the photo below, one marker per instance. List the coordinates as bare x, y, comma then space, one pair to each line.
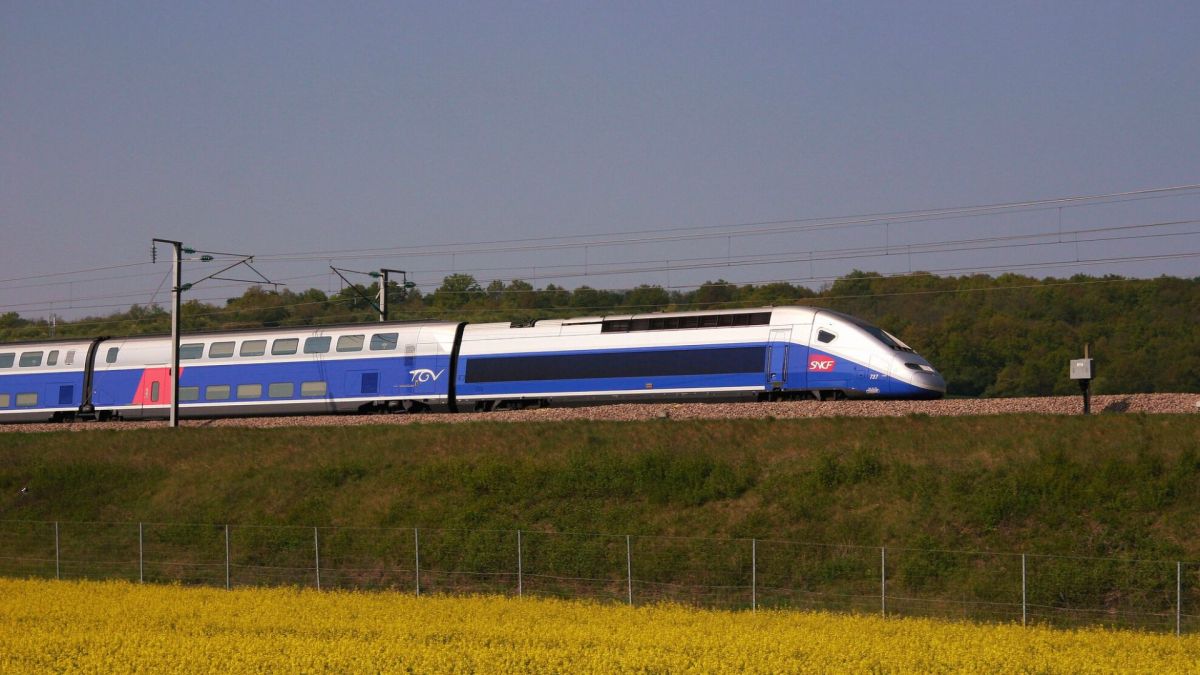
635, 569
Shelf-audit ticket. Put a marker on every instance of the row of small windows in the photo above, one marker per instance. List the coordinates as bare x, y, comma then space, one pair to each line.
285, 346
250, 392
34, 359
679, 322
66, 395
23, 400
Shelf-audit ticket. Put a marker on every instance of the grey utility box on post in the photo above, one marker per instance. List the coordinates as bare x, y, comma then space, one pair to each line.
1081, 369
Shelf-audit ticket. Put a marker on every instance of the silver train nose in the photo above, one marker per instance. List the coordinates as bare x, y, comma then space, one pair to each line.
934, 382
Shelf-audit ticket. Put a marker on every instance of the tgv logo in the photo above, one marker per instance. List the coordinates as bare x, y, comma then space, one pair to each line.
821, 364
425, 375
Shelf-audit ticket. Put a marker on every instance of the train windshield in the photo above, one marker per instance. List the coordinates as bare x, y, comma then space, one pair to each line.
886, 338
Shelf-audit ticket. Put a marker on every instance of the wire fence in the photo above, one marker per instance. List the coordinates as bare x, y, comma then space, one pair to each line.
723, 573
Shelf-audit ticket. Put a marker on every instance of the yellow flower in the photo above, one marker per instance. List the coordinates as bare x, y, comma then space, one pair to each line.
118, 627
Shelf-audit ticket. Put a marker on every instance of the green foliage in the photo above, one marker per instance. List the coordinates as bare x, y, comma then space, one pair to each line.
1009, 335
1114, 486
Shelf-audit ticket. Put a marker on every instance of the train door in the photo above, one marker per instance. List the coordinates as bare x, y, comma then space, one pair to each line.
778, 351
825, 371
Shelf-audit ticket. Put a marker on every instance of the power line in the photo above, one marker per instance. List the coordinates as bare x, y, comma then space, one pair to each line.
83, 271
434, 313
807, 279
711, 262
659, 236
825, 255
821, 222
867, 251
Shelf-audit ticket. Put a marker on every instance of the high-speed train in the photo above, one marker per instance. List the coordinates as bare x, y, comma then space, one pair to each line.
757, 354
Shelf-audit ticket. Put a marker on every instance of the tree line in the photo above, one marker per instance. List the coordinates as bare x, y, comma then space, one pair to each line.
1009, 335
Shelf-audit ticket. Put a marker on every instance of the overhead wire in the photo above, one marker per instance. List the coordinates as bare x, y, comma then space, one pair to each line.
433, 313
709, 262
722, 231
835, 221
744, 260
1081, 262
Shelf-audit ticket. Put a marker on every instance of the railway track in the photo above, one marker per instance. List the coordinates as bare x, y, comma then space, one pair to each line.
1049, 405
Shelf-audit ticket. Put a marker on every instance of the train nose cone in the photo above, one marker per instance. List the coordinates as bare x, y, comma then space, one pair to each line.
932, 382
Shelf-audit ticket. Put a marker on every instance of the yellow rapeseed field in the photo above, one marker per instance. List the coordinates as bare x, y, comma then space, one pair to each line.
115, 627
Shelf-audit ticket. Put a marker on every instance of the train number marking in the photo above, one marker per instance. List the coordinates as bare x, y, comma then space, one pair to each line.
421, 375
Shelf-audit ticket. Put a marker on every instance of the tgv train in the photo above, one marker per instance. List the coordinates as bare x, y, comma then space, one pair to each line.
757, 354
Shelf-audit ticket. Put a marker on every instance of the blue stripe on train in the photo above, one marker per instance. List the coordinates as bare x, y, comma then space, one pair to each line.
54, 390
387, 377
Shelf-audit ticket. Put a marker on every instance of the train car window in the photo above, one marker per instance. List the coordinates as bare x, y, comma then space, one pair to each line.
5, 400
825, 336
111, 357
190, 351
216, 392
31, 359
350, 343
664, 363
6, 360
249, 391
52, 358
189, 394
155, 389
384, 342
281, 390
220, 350
70, 357
253, 348
284, 346
26, 400
313, 388
681, 322
316, 345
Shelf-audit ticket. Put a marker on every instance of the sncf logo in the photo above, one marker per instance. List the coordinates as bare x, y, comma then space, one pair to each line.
821, 364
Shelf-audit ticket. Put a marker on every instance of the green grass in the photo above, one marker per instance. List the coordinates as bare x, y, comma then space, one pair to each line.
1112, 485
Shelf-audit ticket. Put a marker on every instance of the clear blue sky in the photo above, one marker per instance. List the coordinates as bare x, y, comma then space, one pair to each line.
275, 128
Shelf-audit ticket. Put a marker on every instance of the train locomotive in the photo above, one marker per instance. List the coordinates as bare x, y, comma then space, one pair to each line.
771, 353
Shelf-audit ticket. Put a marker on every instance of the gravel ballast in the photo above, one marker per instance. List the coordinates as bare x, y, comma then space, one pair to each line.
1050, 405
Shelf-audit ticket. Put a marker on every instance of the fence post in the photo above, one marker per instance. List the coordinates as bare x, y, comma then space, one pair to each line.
520, 581
417, 557
629, 568
227, 556
883, 581
317, 555
1024, 604
141, 558
57, 559
1178, 594
754, 575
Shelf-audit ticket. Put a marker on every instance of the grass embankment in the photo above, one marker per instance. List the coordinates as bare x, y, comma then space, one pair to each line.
120, 627
1105, 485
1120, 486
